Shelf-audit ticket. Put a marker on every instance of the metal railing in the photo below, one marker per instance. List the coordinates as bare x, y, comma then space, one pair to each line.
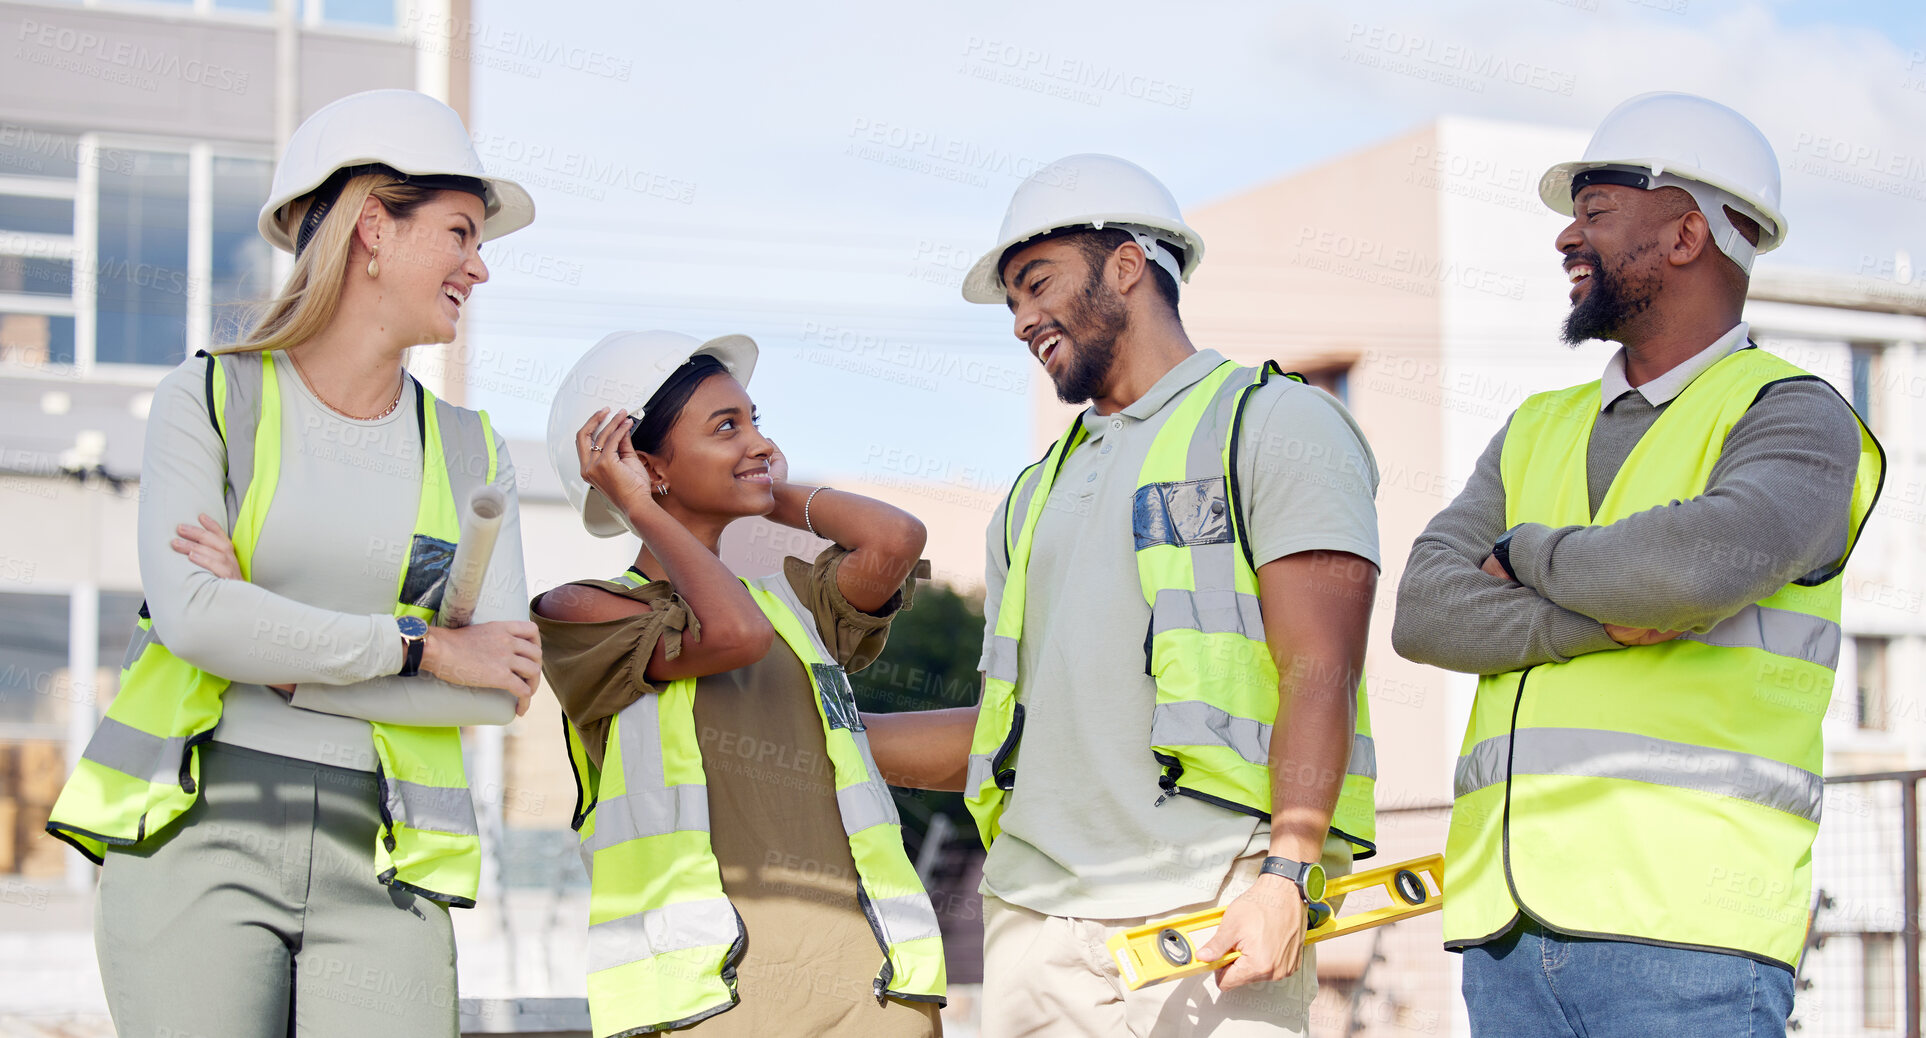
1861, 970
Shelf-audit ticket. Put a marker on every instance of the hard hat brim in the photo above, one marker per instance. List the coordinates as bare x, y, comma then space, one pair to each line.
984, 285
509, 206
1555, 190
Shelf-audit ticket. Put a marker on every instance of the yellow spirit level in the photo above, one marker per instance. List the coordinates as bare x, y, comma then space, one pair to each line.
1163, 951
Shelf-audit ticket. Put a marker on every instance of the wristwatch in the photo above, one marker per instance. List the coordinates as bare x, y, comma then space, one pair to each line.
1308, 876
414, 641
1501, 550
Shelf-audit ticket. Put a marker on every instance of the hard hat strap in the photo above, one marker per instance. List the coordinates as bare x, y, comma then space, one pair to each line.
1712, 204
1148, 239
1162, 257
1621, 177
330, 192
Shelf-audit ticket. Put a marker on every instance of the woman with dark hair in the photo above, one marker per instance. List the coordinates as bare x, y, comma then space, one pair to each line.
744, 852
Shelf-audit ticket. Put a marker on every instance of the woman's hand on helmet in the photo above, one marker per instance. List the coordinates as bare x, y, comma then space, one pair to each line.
503, 654
610, 462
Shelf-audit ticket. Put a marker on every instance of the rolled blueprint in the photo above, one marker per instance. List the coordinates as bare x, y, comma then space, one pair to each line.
478, 531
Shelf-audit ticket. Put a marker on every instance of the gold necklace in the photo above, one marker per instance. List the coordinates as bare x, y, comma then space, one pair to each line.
396, 402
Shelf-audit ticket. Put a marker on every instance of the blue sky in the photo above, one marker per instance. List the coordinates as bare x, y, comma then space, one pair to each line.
767, 168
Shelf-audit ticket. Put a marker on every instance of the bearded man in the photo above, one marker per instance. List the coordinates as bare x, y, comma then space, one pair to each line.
1644, 570
1178, 600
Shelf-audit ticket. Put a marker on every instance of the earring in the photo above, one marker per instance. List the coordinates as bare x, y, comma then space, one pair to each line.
374, 267
661, 488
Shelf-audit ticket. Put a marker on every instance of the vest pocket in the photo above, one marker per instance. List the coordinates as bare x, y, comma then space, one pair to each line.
428, 561
1182, 514
839, 700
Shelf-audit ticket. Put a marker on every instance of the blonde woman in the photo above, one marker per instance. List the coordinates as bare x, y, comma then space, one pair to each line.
276, 795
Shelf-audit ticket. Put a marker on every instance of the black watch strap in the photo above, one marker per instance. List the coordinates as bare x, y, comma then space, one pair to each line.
1502, 552
411, 666
414, 643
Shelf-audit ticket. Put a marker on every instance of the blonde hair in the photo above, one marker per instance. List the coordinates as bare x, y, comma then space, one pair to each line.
312, 295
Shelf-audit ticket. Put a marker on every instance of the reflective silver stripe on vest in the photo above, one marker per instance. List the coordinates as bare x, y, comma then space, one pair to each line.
648, 812
639, 728
467, 471
1364, 757
646, 797
1017, 505
1197, 723
440, 809
864, 805
1003, 658
242, 408
1200, 724
129, 750
143, 637
644, 935
906, 918
1203, 456
1782, 632
979, 774
1595, 753
1217, 611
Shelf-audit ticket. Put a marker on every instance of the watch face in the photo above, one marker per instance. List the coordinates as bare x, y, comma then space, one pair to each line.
412, 626
1314, 882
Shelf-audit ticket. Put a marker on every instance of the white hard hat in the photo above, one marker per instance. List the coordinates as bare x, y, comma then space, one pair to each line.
1089, 191
404, 130
1679, 140
623, 371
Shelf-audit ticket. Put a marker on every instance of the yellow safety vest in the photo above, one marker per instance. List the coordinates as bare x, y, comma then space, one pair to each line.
663, 940
141, 770
1664, 794
1216, 681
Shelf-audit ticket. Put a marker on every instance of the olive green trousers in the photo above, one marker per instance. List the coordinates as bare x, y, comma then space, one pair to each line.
258, 913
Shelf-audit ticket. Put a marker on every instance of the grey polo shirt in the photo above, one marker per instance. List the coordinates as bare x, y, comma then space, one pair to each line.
1080, 835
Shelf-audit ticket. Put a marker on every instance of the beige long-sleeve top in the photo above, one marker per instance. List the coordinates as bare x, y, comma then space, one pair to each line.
318, 611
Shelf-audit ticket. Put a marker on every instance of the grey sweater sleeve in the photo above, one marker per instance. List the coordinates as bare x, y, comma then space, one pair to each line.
1776, 507
1452, 614
425, 699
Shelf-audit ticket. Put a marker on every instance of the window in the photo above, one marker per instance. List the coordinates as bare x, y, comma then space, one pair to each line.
374, 13
34, 634
1870, 656
1334, 379
170, 260
1876, 972
242, 262
37, 189
140, 284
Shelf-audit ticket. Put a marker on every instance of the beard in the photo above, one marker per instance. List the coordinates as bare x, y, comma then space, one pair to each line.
1099, 318
1616, 297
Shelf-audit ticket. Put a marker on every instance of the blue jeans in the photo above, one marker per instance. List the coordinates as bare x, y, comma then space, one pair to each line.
1534, 984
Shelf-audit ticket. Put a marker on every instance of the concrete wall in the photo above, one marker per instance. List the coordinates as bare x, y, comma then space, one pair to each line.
175, 74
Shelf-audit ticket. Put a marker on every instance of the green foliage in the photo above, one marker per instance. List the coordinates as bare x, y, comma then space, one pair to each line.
929, 664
